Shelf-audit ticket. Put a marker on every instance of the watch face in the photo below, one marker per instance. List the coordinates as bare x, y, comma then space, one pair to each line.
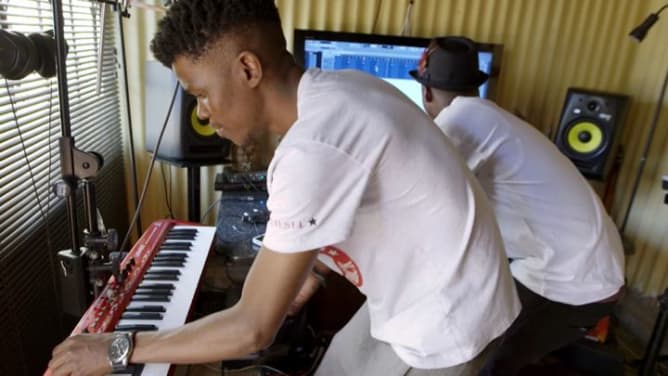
119, 348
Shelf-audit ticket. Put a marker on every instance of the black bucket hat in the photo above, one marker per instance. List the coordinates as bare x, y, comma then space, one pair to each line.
450, 63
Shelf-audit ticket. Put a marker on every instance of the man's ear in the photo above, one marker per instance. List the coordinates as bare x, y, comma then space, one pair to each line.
250, 68
427, 94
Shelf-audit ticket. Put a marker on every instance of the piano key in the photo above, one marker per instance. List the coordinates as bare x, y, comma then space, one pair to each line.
179, 240
158, 271
141, 316
170, 256
128, 322
145, 308
166, 256
153, 292
173, 254
183, 234
150, 298
172, 264
130, 370
176, 244
161, 277
180, 236
168, 251
135, 327
176, 261
183, 231
157, 286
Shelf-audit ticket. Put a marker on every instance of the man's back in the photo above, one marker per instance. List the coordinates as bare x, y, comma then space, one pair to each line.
399, 214
564, 245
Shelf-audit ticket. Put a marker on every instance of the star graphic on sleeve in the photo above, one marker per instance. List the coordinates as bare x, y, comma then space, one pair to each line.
312, 221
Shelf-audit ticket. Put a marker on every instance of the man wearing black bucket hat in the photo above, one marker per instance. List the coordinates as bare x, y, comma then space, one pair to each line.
566, 253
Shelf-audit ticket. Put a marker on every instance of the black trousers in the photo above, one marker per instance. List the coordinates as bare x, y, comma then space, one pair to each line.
542, 327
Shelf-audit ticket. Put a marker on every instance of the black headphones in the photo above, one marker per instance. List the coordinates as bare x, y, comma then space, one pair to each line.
20, 55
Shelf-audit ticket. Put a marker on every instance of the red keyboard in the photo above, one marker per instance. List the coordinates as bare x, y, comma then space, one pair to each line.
162, 271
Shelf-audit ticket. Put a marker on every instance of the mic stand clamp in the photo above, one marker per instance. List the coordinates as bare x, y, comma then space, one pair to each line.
90, 265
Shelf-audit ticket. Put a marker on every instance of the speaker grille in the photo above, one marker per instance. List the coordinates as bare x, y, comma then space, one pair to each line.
589, 128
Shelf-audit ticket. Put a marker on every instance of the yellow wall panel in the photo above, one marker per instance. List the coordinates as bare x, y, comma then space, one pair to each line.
549, 46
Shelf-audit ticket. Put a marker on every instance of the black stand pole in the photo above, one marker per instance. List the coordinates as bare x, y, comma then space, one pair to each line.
643, 158
76, 166
647, 368
133, 164
66, 142
193, 193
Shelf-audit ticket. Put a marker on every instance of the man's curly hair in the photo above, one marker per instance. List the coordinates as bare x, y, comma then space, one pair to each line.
190, 26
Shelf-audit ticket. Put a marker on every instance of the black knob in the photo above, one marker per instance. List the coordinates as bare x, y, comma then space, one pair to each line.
593, 106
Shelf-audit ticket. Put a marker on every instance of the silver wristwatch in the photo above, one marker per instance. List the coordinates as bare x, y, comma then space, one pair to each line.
120, 349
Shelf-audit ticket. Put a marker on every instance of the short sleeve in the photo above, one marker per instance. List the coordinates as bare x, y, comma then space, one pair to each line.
315, 191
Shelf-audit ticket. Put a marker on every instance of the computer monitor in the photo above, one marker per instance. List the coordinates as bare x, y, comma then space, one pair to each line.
387, 57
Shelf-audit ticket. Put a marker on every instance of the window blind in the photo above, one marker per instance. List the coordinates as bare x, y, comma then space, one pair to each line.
33, 222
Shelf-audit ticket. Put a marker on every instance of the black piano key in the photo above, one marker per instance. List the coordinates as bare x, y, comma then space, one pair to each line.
134, 369
181, 234
161, 277
168, 264
175, 247
141, 316
150, 298
162, 272
146, 308
167, 259
172, 253
135, 327
176, 244
183, 231
157, 286
170, 256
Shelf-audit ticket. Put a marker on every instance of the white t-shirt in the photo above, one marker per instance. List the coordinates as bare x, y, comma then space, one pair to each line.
364, 175
564, 245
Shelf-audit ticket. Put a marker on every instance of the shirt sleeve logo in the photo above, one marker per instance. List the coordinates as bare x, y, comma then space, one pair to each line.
345, 264
293, 224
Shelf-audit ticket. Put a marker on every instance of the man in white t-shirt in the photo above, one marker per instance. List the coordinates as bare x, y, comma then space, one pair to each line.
362, 181
566, 252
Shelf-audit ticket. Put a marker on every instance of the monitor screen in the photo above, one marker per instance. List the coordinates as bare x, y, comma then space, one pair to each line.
387, 57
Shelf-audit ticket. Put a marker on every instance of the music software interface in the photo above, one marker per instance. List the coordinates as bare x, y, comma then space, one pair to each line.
389, 62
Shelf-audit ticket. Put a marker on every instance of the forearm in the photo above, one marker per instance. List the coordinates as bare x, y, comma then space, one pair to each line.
227, 334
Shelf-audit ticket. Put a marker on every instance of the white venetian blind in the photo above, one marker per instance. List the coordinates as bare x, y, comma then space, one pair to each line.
33, 223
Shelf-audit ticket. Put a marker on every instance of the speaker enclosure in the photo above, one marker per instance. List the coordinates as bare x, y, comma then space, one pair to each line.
187, 140
589, 129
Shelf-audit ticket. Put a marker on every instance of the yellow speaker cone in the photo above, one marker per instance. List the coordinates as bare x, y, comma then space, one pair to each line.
200, 127
585, 137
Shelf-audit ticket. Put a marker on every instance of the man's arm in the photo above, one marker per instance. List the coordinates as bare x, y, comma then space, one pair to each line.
249, 326
270, 287
315, 279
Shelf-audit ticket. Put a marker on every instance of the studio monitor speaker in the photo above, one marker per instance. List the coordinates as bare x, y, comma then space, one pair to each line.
187, 140
589, 129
